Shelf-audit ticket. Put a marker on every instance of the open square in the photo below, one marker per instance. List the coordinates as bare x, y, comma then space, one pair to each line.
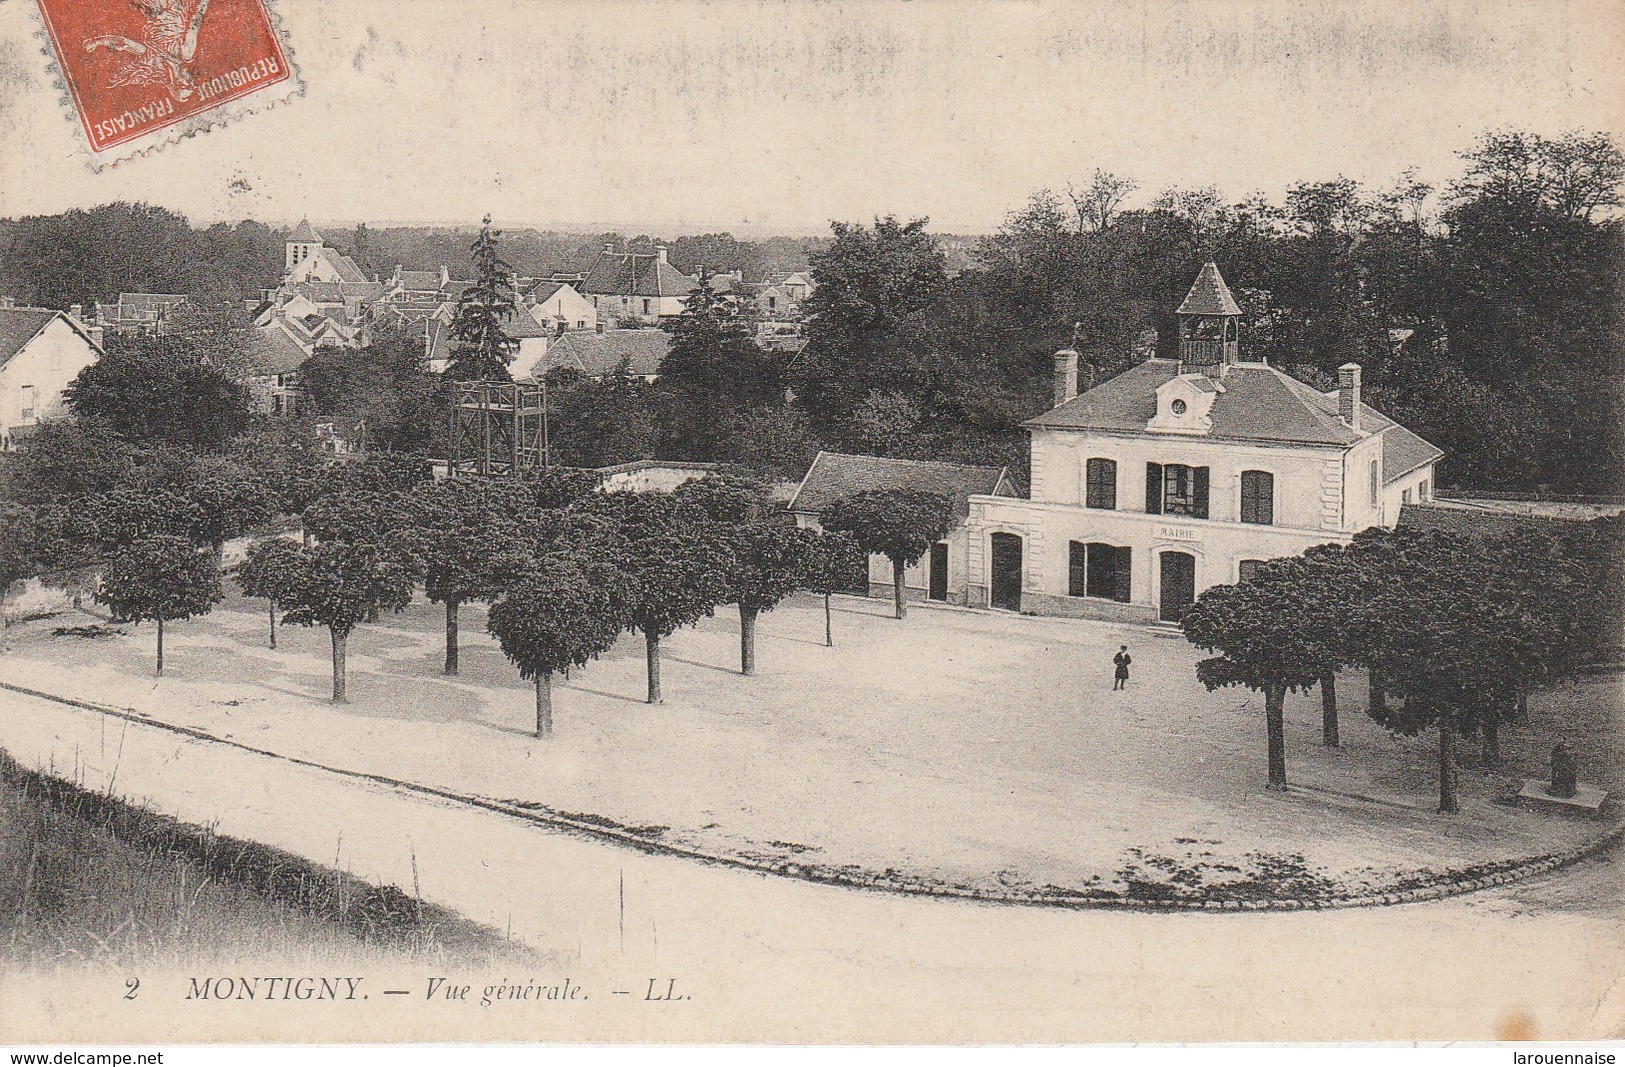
968, 750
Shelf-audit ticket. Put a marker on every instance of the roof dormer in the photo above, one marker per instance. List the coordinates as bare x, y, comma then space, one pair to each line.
1184, 403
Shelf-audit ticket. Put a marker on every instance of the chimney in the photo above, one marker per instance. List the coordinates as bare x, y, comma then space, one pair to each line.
609, 247
1066, 376
660, 250
1348, 395
98, 335
600, 327
77, 312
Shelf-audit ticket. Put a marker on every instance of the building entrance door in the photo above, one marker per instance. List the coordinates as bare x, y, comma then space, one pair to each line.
1006, 591
1178, 573
939, 571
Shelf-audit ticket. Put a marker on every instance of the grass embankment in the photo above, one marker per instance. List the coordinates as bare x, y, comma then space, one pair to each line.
89, 879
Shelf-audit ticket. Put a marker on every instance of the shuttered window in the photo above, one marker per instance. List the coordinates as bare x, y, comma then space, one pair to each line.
1101, 484
1153, 489
1184, 491
1258, 497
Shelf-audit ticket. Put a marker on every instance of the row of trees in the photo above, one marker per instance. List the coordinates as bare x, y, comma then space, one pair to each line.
1455, 632
564, 568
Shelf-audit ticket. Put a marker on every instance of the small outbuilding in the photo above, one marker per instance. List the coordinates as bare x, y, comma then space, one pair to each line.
942, 573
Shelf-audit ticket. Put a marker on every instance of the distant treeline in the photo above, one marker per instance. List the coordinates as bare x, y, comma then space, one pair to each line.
80, 257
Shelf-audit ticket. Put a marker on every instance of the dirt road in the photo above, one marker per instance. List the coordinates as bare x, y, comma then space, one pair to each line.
770, 959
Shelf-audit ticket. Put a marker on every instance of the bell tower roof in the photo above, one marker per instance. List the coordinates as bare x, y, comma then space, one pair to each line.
305, 234
1209, 295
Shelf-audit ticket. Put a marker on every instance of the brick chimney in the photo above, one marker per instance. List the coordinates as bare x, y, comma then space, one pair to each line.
1066, 376
77, 312
1348, 395
661, 252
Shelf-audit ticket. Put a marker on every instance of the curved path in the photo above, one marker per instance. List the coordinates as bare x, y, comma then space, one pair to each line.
767, 959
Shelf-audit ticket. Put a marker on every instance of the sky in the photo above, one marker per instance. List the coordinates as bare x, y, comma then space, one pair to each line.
780, 115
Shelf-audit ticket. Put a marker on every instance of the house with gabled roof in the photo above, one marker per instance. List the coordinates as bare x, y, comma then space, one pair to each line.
635, 286
41, 352
601, 353
941, 574
558, 305
1180, 474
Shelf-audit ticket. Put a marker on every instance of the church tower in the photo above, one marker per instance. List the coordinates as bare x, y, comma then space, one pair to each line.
303, 243
1209, 325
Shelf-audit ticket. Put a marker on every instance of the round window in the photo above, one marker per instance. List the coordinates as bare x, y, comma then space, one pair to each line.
1177, 407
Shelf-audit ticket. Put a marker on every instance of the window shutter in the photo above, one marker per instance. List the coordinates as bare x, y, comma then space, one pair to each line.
1153, 489
1125, 574
1077, 570
1199, 492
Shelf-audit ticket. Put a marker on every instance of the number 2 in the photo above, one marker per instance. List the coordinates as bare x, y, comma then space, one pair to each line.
131, 985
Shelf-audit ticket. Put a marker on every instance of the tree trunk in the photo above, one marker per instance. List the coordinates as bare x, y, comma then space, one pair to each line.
1447, 766
1328, 711
273, 624
1379, 698
160, 670
651, 651
898, 592
1489, 753
452, 604
544, 704
338, 666
747, 640
1275, 719
829, 632
1522, 716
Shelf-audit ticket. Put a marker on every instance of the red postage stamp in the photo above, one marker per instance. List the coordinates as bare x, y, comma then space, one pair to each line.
142, 72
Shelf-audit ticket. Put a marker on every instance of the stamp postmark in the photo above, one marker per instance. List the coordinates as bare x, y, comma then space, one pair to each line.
141, 73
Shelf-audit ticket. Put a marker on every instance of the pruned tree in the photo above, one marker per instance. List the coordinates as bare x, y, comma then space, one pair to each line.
568, 611
769, 563
827, 570
678, 562
1268, 639
341, 585
354, 516
272, 571
231, 499
160, 577
900, 524
461, 531
124, 516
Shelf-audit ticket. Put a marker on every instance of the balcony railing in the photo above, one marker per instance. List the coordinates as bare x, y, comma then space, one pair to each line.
1207, 353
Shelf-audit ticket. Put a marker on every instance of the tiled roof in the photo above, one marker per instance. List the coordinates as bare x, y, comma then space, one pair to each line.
1259, 403
272, 351
635, 274
834, 475
598, 354
304, 233
1467, 521
1403, 452
18, 326
421, 281
347, 268
1209, 295
130, 303
543, 291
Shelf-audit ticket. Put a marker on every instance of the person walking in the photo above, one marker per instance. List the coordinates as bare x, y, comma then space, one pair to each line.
1121, 662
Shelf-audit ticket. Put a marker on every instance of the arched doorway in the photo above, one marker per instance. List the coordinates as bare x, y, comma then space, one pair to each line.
1006, 567
1177, 572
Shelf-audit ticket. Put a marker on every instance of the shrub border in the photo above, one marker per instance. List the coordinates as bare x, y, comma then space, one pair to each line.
1437, 887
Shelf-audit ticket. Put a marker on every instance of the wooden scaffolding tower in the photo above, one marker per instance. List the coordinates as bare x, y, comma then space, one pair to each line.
498, 429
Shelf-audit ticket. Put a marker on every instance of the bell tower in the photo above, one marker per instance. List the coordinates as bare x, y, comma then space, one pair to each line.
302, 243
1209, 325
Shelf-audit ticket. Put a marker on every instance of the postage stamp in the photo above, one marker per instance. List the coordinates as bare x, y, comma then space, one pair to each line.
142, 73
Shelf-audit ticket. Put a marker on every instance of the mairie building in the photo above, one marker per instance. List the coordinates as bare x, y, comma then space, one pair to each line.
1177, 475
